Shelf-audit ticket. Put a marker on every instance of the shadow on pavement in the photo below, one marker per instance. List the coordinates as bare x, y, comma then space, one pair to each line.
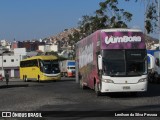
12, 86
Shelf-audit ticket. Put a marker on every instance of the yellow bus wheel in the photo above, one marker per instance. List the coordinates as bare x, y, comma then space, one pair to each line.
25, 78
38, 78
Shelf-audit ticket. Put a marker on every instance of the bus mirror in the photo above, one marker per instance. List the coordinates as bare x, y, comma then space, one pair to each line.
99, 62
152, 59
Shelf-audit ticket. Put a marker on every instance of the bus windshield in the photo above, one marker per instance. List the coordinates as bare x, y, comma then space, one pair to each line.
50, 66
124, 62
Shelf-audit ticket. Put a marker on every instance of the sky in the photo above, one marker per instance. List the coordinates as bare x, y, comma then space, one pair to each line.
38, 19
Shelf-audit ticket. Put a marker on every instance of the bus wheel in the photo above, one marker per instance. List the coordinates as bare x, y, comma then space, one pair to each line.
150, 79
25, 78
156, 78
97, 89
38, 78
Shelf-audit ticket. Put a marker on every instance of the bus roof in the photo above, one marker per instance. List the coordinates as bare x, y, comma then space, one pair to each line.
121, 30
113, 39
114, 30
44, 57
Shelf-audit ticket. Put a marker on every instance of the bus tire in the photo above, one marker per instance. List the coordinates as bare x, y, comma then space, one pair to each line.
25, 78
38, 79
97, 89
150, 78
155, 78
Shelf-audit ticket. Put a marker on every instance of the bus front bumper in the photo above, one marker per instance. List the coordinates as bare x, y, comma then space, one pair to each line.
112, 87
58, 77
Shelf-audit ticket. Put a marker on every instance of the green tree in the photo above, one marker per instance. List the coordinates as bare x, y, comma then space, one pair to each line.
151, 22
151, 15
107, 16
73, 39
112, 16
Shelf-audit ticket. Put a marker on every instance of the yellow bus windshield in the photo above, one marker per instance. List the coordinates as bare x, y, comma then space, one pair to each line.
49, 66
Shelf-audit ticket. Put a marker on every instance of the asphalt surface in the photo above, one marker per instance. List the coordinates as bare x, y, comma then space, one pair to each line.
65, 100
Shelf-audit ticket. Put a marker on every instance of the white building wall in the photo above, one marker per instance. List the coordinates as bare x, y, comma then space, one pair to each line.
3, 42
41, 47
8, 47
47, 48
20, 51
54, 48
12, 72
10, 62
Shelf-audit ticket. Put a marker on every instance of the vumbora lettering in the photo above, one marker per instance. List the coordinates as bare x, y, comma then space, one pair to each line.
124, 39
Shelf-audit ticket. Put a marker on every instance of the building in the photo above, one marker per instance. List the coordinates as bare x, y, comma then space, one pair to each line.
48, 48
29, 45
10, 61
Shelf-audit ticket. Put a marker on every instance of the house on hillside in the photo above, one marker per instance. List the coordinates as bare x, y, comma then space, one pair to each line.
48, 48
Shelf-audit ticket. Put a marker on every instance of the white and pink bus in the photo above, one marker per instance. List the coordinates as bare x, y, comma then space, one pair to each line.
112, 60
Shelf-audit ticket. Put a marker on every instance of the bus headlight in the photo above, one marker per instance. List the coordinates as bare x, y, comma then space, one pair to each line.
143, 80
107, 80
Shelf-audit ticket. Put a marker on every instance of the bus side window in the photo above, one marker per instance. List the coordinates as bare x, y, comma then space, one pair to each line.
35, 63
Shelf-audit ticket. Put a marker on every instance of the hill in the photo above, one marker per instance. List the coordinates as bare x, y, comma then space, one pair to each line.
150, 42
63, 38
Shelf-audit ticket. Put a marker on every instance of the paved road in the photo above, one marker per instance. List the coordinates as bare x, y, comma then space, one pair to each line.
65, 95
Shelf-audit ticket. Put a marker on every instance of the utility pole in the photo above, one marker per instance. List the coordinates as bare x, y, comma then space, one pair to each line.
159, 23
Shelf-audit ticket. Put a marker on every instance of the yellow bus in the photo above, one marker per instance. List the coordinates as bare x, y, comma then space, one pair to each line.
40, 68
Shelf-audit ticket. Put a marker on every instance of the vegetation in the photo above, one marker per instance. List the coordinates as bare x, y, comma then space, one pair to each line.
107, 16
110, 16
151, 22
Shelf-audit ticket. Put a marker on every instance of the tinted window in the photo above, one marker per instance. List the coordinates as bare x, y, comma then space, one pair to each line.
114, 54
135, 54
29, 63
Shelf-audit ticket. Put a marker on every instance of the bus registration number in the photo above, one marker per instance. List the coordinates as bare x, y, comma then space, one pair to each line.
126, 87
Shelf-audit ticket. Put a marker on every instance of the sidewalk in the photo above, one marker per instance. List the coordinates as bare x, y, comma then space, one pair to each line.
14, 79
